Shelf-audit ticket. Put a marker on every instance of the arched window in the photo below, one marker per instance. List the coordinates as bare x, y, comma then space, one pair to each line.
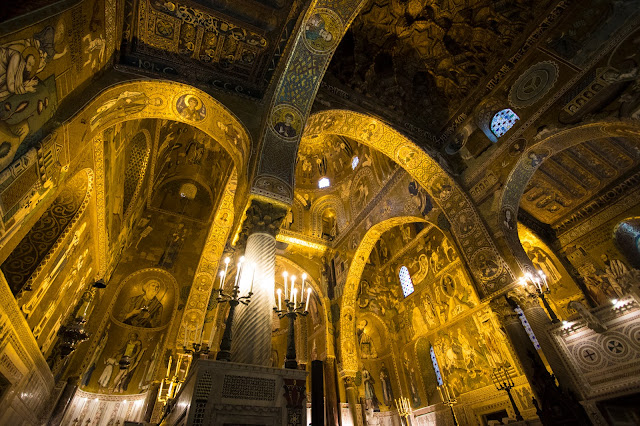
405, 281
436, 367
503, 121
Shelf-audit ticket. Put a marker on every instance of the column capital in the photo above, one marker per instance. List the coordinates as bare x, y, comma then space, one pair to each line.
503, 310
349, 381
261, 216
522, 298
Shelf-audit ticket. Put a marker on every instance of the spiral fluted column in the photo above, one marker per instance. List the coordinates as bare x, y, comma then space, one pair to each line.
252, 325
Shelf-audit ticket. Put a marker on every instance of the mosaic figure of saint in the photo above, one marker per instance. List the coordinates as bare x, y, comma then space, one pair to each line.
542, 261
86, 377
105, 377
144, 310
411, 379
614, 271
369, 390
190, 108
367, 347
385, 381
284, 128
315, 29
17, 71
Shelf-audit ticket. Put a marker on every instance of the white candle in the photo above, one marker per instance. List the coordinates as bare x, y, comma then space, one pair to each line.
294, 291
304, 277
306, 306
221, 279
169, 366
285, 274
235, 284
293, 285
544, 279
279, 299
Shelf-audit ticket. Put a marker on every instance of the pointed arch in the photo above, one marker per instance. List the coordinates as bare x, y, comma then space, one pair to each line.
348, 310
533, 158
154, 99
294, 94
487, 267
318, 208
149, 99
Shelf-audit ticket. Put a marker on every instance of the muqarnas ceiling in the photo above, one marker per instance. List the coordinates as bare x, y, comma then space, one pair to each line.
419, 59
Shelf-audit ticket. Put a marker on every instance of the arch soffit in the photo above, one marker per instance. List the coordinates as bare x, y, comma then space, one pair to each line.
108, 109
532, 158
210, 260
294, 94
88, 184
159, 99
350, 292
473, 241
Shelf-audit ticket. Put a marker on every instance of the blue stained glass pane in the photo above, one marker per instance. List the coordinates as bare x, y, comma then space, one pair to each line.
503, 121
405, 281
436, 367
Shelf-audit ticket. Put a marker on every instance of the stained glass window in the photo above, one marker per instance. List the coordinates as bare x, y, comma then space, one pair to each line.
503, 121
405, 281
436, 367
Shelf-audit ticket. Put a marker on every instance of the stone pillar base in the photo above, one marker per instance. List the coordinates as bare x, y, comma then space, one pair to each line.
219, 393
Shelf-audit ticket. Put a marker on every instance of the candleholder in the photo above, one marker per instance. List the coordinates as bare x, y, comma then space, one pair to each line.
198, 350
449, 399
404, 409
503, 382
293, 309
536, 286
233, 299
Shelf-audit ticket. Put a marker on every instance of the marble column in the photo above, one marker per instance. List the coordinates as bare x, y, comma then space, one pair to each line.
540, 323
352, 396
520, 343
251, 328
